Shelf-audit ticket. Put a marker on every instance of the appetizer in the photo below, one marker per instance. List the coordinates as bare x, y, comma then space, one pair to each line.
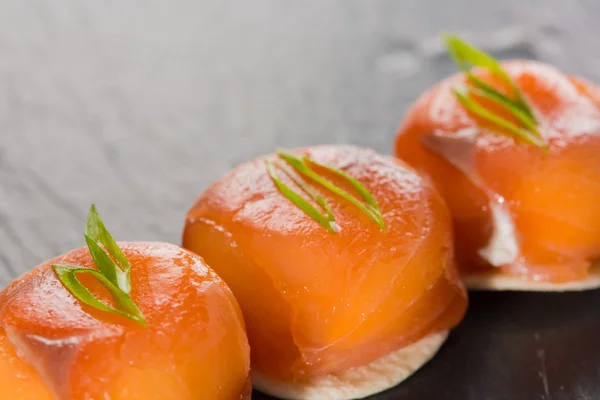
122, 321
342, 263
513, 147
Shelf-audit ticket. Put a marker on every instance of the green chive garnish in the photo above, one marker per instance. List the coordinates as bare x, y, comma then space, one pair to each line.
116, 279
327, 219
95, 231
466, 56
476, 108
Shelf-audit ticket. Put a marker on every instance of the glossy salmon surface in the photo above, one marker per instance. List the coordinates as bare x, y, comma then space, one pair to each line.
517, 209
194, 347
317, 302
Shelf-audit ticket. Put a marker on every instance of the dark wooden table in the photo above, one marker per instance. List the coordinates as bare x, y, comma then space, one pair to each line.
138, 105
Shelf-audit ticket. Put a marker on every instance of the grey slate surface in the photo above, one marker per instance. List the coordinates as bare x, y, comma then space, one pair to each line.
139, 105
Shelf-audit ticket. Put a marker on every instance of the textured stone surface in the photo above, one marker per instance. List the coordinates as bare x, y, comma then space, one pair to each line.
138, 105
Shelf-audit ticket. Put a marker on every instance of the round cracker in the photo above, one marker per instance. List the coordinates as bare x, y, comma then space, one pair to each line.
501, 282
359, 382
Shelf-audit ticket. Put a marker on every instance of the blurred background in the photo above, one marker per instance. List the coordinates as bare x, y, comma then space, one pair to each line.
138, 105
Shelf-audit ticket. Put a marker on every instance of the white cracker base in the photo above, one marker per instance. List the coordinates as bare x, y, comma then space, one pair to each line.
360, 382
512, 283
